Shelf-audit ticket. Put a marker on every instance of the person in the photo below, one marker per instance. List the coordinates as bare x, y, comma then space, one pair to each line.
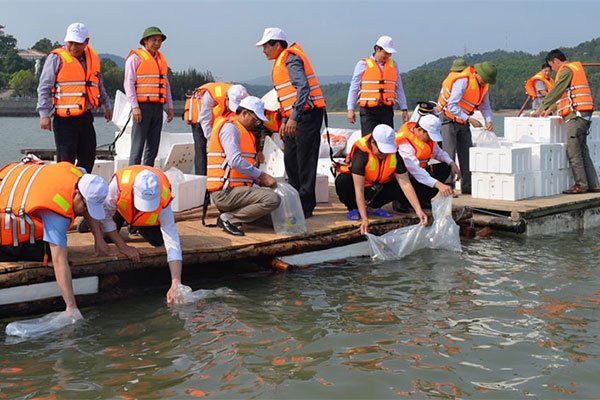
460, 95
373, 176
416, 142
231, 172
42, 201
72, 76
141, 196
538, 86
302, 104
423, 108
376, 85
147, 89
573, 97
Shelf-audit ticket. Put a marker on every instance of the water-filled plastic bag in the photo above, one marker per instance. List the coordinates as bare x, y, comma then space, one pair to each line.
288, 218
47, 323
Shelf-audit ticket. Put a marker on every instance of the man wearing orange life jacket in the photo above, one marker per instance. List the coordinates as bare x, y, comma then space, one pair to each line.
232, 175
416, 142
302, 104
374, 176
573, 97
538, 86
147, 89
460, 96
376, 85
41, 202
71, 75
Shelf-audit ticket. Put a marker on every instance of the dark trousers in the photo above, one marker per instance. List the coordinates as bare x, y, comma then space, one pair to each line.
25, 251
199, 149
152, 234
441, 172
370, 117
301, 155
145, 136
457, 141
375, 196
578, 153
75, 139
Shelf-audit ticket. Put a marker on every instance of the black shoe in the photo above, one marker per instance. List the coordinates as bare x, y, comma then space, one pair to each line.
83, 226
398, 206
132, 229
229, 227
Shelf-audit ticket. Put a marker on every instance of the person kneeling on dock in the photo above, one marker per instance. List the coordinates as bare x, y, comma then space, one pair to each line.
40, 202
231, 172
417, 145
367, 182
141, 196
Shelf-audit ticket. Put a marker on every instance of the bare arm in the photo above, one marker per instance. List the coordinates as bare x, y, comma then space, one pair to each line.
411, 195
62, 272
175, 267
359, 194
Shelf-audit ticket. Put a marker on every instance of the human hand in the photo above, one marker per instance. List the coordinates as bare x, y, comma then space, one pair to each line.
131, 252
136, 114
474, 123
404, 115
267, 180
444, 189
351, 116
455, 171
170, 115
261, 157
290, 128
101, 249
364, 226
46, 124
489, 126
108, 114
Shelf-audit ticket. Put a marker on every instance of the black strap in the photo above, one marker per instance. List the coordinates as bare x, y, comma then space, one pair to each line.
111, 146
205, 210
334, 164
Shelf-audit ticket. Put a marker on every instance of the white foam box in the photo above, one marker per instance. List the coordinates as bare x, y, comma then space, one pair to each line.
104, 168
189, 193
594, 147
324, 167
120, 162
503, 159
322, 189
594, 129
545, 156
547, 183
486, 185
563, 162
537, 130
565, 178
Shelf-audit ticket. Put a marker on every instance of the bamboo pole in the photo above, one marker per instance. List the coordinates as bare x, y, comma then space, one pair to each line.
524, 105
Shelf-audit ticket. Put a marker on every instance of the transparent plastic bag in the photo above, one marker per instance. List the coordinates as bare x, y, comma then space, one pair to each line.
47, 323
288, 218
175, 175
442, 234
183, 294
486, 139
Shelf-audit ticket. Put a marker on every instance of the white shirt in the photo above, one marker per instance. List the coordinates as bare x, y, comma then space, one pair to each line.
408, 154
205, 116
458, 89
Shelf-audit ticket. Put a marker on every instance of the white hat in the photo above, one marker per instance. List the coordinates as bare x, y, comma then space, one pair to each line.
76, 32
432, 125
255, 105
94, 190
235, 94
386, 43
272, 34
385, 138
146, 191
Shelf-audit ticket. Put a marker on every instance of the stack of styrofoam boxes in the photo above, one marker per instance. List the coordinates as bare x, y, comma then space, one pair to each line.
104, 168
593, 142
188, 193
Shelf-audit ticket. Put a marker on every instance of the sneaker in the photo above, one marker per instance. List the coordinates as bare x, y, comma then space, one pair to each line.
229, 227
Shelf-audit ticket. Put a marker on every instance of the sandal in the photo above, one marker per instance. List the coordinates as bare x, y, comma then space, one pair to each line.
353, 215
380, 213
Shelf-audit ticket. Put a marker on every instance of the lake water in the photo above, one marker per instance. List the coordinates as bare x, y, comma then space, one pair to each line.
508, 318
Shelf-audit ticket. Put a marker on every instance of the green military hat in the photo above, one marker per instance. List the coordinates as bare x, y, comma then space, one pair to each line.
151, 31
458, 65
487, 71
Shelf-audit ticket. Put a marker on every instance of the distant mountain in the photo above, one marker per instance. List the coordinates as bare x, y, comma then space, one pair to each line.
323, 80
120, 61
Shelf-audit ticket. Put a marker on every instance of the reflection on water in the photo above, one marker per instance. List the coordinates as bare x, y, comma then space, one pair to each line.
507, 318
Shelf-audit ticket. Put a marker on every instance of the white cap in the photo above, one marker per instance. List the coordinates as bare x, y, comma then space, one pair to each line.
385, 138
94, 190
146, 191
76, 32
235, 94
272, 34
255, 105
386, 43
432, 125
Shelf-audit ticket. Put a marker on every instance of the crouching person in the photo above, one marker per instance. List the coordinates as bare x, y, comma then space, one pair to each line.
141, 196
38, 204
416, 143
374, 176
232, 177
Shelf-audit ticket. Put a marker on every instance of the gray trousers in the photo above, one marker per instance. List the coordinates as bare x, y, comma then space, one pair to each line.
457, 140
243, 204
145, 136
579, 153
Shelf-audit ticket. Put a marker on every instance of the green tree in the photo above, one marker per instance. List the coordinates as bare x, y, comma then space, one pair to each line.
11, 62
186, 81
23, 83
112, 75
7, 42
45, 45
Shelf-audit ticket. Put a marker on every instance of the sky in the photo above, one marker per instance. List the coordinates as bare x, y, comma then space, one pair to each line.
220, 35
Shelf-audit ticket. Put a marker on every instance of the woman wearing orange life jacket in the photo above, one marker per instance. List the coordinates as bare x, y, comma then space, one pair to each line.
147, 89
538, 86
373, 176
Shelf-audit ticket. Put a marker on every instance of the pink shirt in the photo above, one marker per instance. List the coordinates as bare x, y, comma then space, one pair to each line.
131, 66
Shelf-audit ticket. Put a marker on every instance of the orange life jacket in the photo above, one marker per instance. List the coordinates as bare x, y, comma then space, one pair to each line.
125, 203
377, 86
530, 84
193, 105
286, 92
151, 77
220, 175
578, 96
376, 170
75, 87
471, 99
30, 187
273, 122
423, 150
218, 92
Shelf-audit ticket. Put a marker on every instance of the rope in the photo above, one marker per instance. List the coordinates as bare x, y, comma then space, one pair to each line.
111, 146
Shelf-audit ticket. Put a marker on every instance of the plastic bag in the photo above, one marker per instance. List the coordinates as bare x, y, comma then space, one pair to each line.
175, 175
183, 294
47, 323
288, 218
486, 138
442, 234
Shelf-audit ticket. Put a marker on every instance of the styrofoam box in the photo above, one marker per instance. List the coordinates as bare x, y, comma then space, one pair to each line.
563, 162
324, 168
547, 183
594, 129
505, 160
565, 178
538, 130
545, 156
104, 168
594, 147
502, 186
322, 189
189, 193
120, 163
